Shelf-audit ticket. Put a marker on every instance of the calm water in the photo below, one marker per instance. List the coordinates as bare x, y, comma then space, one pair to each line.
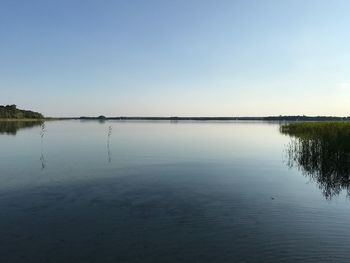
73, 191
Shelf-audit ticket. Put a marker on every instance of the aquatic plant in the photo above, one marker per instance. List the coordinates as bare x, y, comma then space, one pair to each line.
42, 156
108, 144
321, 150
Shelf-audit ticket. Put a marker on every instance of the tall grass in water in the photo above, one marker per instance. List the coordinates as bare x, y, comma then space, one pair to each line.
321, 150
42, 156
317, 129
108, 144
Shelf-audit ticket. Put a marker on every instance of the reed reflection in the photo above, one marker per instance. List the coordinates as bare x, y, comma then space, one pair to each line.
322, 152
108, 144
11, 127
42, 156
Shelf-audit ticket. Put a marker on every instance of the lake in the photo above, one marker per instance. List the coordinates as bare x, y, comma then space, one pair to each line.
143, 191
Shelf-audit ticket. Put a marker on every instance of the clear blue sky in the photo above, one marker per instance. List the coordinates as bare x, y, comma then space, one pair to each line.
176, 57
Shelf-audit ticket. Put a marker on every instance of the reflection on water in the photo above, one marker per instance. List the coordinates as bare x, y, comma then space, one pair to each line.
42, 156
11, 127
184, 192
108, 144
325, 158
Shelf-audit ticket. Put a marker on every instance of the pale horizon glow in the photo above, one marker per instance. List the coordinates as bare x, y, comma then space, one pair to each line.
73, 58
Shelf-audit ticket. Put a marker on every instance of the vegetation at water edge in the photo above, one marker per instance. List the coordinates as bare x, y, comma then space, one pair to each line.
321, 150
11, 112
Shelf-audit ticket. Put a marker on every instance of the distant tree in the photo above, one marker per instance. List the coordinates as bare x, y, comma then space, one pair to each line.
11, 112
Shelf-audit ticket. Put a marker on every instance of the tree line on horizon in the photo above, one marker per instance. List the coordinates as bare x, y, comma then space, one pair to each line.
11, 112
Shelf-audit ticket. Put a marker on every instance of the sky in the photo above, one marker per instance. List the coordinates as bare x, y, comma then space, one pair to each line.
176, 57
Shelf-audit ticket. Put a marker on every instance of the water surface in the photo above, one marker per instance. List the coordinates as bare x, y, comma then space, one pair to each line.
114, 191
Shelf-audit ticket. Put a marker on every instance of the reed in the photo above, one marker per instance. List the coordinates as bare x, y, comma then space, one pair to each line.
321, 150
310, 130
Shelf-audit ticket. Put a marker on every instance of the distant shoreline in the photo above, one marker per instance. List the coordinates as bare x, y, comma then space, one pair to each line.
268, 118
23, 119
12, 113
